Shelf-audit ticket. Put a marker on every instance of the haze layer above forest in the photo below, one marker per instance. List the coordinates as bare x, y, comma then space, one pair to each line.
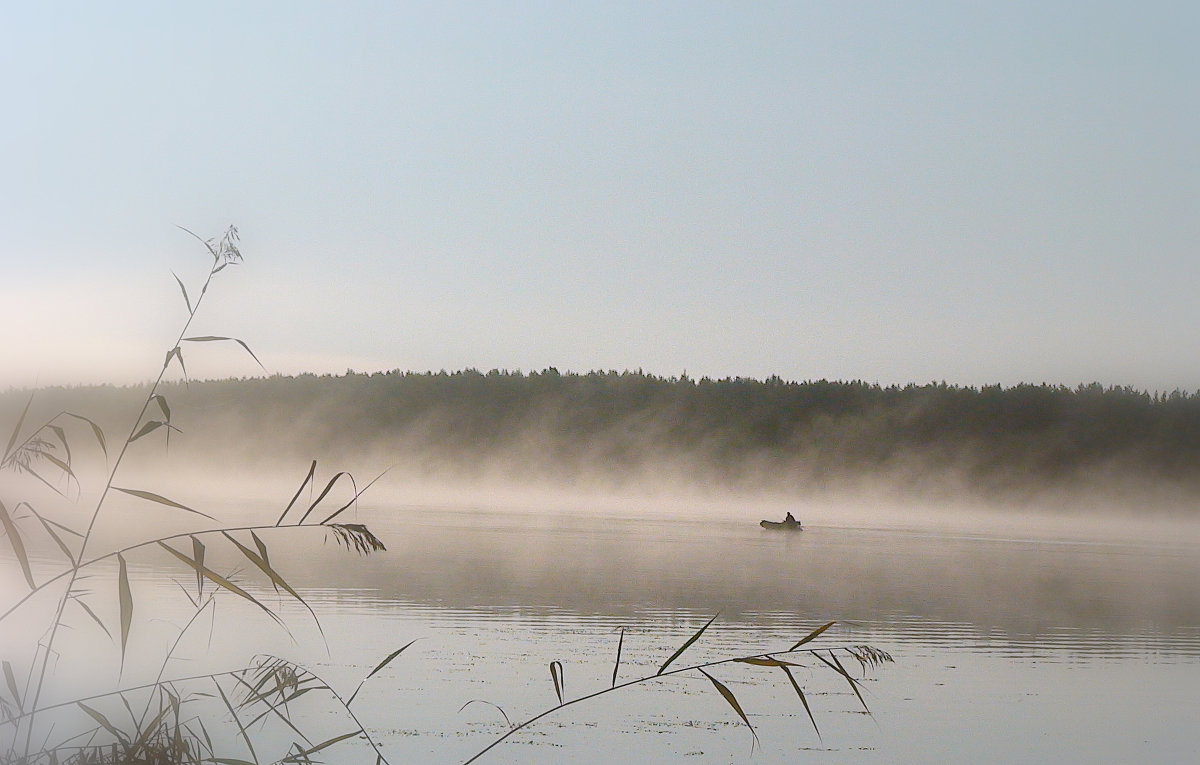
609, 429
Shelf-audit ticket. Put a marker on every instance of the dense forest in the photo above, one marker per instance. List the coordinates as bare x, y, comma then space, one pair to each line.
632, 426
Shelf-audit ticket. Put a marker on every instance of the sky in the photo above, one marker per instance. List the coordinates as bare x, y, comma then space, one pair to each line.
894, 192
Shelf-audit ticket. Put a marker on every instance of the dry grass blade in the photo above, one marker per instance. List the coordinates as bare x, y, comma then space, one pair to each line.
214, 338
556, 674
803, 699
378, 667
219, 580
13, 688
126, 598
686, 645
733, 702
812, 635
152, 497
617, 663
18, 546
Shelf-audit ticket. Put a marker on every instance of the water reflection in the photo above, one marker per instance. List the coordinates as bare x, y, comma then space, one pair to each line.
906, 585
1023, 633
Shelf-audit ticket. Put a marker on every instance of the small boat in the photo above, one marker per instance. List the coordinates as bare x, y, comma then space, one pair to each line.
781, 525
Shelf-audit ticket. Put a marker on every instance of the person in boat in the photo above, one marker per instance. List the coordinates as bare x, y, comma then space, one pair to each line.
791, 520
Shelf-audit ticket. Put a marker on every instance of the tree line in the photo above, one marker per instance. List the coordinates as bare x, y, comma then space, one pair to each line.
810, 431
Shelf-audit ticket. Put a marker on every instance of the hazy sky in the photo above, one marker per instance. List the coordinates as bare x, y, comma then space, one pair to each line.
974, 192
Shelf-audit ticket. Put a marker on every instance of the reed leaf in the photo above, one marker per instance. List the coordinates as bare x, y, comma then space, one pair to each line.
556, 674
238, 722
137, 728
18, 546
766, 661
125, 596
214, 338
312, 470
686, 645
219, 580
187, 301
733, 702
357, 493
302, 756
274, 576
198, 551
617, 663
151, 727
803, 699
378, 667
78, 600
16, 431
497, 707
13, 688
97, 431
161, 400
279, 710
324, 492
836, 666
60, 526
176, 353
261, 563
104, 722
146, 429
61, 464
812, 635
262, 548
152, 497
49, 527
61, 432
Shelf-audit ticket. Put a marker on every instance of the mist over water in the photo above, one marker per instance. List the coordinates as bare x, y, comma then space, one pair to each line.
846, 452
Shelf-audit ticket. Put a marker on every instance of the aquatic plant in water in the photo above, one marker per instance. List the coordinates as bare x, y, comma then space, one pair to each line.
52, 712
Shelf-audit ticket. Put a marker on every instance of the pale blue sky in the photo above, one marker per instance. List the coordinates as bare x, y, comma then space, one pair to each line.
896, 192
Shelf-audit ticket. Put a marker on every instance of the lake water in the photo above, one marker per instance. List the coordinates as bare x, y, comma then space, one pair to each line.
1007, 648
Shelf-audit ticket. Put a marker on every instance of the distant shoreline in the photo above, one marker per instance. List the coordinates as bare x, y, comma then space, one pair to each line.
626, 427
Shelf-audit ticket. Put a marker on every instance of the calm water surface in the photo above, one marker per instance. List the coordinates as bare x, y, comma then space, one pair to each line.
1006, 648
